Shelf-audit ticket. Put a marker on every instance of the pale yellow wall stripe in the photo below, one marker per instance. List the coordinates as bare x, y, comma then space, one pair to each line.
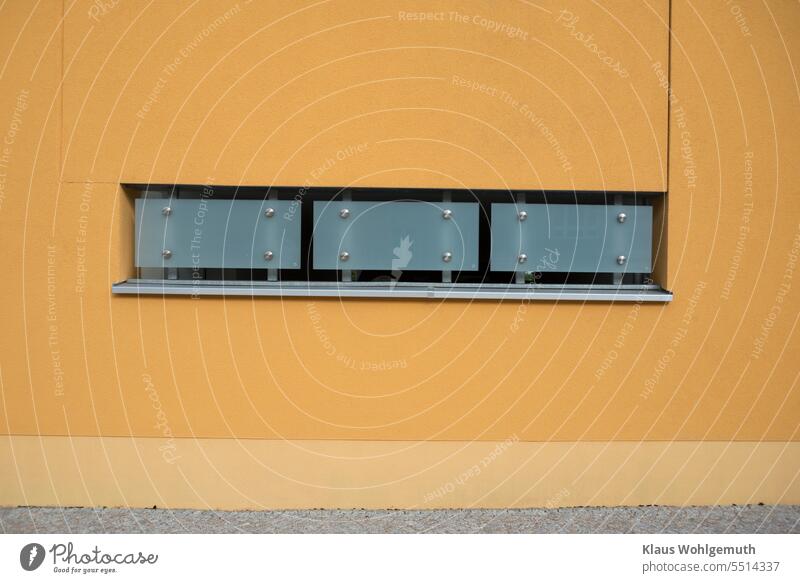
232, 474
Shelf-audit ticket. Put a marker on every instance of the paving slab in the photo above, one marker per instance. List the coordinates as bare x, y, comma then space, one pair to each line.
642, 519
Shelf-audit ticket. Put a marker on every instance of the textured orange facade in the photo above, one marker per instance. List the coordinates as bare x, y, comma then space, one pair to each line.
553, 95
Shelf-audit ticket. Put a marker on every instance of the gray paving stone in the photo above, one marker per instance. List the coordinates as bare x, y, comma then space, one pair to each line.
650, 519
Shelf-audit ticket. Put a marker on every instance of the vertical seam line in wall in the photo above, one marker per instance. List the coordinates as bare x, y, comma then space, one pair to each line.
665, 220
669, 93
63, 26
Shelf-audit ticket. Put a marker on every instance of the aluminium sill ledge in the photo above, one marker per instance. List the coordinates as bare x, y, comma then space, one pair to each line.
460, 291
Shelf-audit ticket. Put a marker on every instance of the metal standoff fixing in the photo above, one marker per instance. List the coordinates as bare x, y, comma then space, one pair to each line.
268, 255
344, 213
344, 256
447, 257
269, 213
166, 211
621, 260
522, 258
621, 217
447, 214
522, 215
166, 254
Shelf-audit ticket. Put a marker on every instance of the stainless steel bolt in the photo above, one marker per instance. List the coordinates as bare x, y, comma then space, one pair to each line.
621, 260
344, 256
522, 258
166, 211
447, 257
166, 254
269, 213
523, 215
447, 214
621, 217
344, 213
268, 255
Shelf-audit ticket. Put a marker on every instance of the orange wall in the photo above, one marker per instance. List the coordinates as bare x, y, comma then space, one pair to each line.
482, 95
717, 363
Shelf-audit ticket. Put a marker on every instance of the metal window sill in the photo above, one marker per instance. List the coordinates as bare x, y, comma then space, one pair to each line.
457, 291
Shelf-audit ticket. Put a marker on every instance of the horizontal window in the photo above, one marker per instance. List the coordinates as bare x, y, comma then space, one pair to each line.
395, 243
